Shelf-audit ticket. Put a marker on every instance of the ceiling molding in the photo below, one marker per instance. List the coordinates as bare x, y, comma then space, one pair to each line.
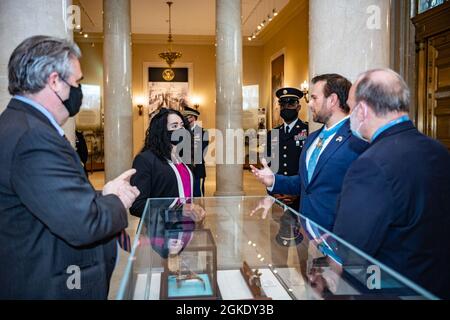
284, 17
189, 17
92, 37
177, 40
162, 39
253, 43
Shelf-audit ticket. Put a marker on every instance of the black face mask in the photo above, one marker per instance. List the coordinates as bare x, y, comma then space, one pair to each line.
73, 104
289, 115
179, 135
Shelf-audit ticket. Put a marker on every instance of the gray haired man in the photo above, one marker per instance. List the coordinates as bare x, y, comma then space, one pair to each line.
394, 203
58, 234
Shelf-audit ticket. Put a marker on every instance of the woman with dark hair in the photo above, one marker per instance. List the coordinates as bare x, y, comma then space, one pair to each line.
161, 173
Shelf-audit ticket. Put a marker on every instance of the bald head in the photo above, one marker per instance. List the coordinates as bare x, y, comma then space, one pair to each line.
383, 90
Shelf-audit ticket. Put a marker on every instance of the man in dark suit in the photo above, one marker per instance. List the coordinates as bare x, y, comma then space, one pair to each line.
326, 156
201, 141
81, 148
58, 235
285, 142
395, 202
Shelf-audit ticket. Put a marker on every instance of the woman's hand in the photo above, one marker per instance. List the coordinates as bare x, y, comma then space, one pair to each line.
194, 211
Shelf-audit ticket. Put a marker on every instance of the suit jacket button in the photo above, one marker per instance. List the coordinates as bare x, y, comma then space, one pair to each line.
285, 173
284, 147
285, 155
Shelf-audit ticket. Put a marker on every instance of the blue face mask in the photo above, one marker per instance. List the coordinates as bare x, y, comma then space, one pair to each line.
354, 126
358, 135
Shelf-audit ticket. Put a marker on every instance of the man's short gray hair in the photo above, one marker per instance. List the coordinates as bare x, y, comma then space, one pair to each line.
35, 59
384, 91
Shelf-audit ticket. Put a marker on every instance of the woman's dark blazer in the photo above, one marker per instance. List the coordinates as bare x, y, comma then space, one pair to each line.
155, 178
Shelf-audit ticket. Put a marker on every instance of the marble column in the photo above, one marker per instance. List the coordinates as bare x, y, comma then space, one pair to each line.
229, 176
348, 37
20, 19
117, 87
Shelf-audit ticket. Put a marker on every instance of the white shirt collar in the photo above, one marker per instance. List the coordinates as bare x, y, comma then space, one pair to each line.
347, 117
292, 125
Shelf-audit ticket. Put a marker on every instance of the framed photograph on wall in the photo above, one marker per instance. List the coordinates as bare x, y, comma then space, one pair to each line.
171, 94
277, 82
160, 92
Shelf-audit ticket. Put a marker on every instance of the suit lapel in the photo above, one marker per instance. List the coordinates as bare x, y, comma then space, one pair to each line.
338, 140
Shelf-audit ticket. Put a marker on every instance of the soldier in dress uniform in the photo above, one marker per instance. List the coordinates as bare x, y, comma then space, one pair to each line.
201, 140
287, 145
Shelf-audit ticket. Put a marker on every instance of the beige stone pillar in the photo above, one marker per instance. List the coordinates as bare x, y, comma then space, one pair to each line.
20, 19
348, 37
117, 87
229, 92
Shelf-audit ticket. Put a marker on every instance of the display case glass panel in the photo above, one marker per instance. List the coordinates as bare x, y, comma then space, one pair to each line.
249, 248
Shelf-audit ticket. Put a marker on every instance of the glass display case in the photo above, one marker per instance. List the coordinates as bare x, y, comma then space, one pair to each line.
190, 270
234, 248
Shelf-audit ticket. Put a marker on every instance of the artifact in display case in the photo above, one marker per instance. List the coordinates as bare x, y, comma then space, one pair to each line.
188, 252
190, 271
253, 280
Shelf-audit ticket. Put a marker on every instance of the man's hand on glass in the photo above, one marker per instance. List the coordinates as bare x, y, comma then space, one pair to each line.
121, 187
264, 175
265, 204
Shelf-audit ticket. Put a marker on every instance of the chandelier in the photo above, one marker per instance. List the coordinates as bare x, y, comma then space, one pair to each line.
169, 56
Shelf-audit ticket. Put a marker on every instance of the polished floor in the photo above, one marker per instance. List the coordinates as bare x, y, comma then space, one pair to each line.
251, 188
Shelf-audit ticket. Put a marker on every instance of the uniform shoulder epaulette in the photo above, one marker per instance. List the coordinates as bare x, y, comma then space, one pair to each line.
279, 127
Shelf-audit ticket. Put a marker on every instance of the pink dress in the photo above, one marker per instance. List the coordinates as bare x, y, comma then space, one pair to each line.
185, 178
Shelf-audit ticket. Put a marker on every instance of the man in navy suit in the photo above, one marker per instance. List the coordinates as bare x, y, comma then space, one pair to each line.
58, 235
395, 202
326, 155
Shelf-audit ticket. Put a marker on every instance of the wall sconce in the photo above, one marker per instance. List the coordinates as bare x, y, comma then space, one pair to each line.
304, 87
140, 107
139, 101
196, 102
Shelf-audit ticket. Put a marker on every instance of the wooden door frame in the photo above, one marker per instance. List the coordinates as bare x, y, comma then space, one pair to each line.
428, 25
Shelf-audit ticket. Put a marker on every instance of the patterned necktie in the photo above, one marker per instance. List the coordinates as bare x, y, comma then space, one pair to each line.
323, 136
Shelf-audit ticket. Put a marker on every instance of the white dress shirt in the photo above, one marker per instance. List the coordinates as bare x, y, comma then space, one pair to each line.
291, 126
325, 143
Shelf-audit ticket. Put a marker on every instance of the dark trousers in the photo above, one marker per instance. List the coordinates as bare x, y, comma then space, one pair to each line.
199, 187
